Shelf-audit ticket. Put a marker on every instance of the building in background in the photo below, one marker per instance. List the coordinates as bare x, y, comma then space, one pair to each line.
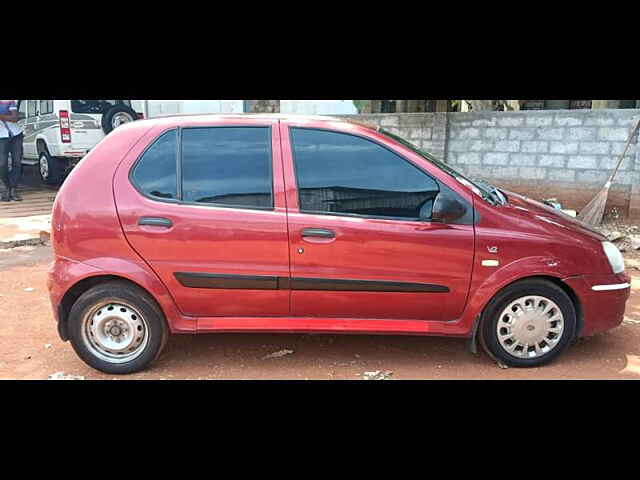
418, 106
318, 107
161, 108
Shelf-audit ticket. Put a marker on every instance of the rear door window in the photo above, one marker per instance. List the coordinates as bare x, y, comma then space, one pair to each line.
227, 166
343, 174
155, 173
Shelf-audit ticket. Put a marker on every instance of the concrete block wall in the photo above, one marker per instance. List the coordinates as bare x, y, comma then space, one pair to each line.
426, 130
574, 146
567, 154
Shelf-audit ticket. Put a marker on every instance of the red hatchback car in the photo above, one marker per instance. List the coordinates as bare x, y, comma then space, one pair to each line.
279, 223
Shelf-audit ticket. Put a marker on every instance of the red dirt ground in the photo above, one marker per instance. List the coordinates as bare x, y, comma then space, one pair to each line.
28, 326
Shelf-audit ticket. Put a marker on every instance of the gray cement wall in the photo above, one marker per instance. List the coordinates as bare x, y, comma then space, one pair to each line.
426, 130
568, 154
580, 146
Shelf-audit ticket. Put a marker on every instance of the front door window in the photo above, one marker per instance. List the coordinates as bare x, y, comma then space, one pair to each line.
347, 175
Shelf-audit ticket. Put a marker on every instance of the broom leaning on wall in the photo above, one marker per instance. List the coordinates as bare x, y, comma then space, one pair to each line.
594, 211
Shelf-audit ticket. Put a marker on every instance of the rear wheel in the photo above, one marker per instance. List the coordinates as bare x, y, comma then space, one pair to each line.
117, 327
51, 168
529, 323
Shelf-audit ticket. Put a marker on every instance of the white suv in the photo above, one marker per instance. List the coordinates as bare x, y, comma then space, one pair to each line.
58, 133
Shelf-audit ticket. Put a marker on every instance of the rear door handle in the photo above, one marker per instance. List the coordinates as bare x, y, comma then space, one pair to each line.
155, 222
318, 232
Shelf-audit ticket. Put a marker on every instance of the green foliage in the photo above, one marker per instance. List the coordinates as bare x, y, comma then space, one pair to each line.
361, 105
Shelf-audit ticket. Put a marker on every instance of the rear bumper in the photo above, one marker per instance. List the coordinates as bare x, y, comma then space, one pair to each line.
61, 276
602, 300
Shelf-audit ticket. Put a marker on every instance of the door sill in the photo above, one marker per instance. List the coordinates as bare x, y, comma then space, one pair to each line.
330, 325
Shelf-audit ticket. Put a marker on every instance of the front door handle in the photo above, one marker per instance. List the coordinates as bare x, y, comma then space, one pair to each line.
155, 222
318, 232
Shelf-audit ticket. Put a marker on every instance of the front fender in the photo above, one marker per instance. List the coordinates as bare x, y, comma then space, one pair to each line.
484, 288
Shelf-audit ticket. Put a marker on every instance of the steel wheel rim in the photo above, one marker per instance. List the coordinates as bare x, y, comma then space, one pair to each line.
115, 332
44, 167
120, 119
530, 327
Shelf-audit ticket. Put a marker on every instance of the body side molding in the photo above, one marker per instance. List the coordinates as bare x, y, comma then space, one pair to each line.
265, 282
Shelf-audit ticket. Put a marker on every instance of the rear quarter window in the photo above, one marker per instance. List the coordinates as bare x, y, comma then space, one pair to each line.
154, 175
46, 107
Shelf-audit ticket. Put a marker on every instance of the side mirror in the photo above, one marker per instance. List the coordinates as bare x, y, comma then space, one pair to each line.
447, 208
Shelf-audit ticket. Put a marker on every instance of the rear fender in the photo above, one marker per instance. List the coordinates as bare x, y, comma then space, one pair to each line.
140, 274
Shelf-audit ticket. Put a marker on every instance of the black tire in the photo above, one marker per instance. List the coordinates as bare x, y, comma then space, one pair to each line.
107, 117
53, 174
538, 287
118, 292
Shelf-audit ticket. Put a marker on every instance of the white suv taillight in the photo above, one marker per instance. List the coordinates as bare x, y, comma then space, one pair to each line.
65, 126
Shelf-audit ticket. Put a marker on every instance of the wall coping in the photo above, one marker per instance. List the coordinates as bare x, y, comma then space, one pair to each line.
580, 111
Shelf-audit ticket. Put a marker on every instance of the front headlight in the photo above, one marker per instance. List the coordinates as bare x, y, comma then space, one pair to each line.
614, 256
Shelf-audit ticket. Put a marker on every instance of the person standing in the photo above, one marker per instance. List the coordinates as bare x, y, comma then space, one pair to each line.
11, 138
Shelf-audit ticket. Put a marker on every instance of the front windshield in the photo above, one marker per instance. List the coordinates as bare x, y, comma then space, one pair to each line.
484, 189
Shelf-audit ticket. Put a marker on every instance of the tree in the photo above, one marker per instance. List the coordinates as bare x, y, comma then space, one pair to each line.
264, 106
493, 105
363, 106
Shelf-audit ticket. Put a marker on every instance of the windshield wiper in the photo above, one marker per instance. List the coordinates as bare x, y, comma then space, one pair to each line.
496, 194
503, 197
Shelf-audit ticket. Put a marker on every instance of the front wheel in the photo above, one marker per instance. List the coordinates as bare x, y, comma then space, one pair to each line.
529, 323
117, 327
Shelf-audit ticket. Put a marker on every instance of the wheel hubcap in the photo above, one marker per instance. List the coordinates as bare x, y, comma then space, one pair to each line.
44, 167
115, 332
120, 119
530, 327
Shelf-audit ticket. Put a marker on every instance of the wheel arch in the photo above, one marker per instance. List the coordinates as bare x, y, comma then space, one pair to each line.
41, 145
76, 291
549, 278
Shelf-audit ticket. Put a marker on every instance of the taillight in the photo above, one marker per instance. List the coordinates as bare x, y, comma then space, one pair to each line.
65, 126
140, 116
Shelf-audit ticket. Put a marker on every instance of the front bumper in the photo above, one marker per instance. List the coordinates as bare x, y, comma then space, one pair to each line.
602, 300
